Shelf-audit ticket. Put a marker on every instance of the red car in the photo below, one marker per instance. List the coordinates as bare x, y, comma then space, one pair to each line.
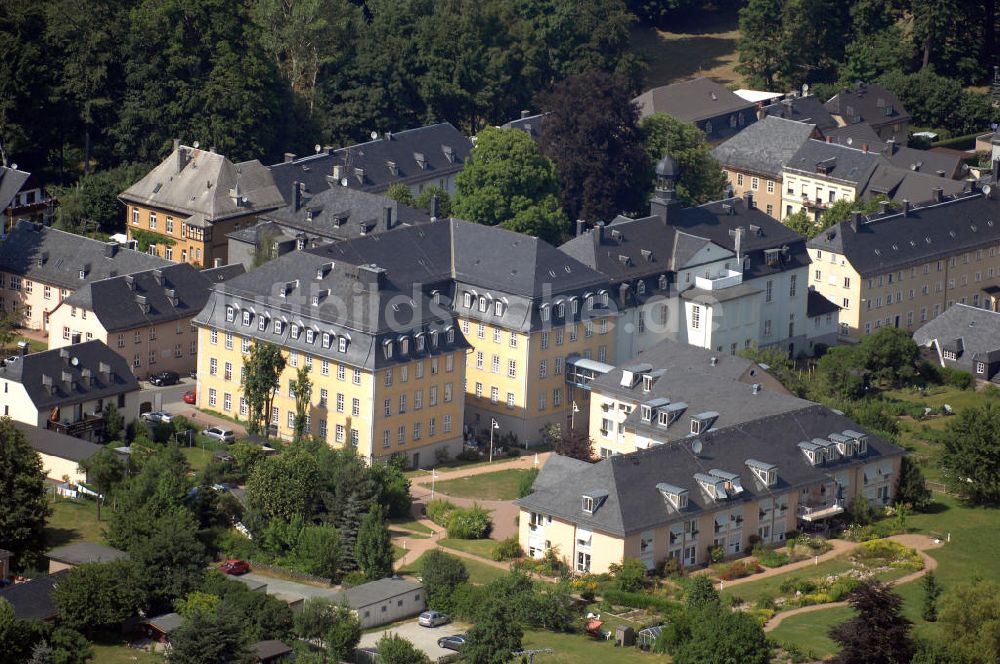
190, 397
235, 567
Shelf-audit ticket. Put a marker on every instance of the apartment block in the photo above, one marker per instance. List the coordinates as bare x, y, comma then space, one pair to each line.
902, 268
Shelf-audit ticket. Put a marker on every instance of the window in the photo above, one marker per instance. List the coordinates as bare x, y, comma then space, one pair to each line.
494, 394
768, 290
543, 368
338, 433
152, 221
402, 403
340, 402
495, 364
227, 402
479, 359
135, 216
245, 345
357, 377
213, 366
754, 183
541, 401
228, 371
791, 285
513, 340
767, 328
695, 317
229, 340
770, 190
512, 368
170, 225
446, 424
980, 367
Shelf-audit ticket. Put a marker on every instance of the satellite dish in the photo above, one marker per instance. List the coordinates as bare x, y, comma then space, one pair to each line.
987, 189
850, 141
696, 447
805, 89
343, 182
317, 147
13, 167
374, 135
74, 361
196, 145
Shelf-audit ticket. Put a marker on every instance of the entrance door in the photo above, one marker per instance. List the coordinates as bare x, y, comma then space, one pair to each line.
416, 460
897, 321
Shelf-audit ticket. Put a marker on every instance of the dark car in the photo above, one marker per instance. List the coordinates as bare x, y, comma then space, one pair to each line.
235, 567
165, 378
455, 642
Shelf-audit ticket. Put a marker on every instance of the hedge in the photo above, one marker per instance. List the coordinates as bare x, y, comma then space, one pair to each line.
639, 600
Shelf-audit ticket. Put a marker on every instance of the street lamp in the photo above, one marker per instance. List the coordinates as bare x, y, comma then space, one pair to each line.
493, 426
433, 478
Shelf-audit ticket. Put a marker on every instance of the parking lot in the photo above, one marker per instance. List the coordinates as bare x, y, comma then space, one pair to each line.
424, 638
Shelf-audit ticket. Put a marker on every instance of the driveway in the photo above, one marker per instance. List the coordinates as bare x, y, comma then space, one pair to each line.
285, 587
424, 638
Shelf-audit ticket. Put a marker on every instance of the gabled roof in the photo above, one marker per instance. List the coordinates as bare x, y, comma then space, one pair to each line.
55, 257
165, 623
374, 592
341, 213
413, 155
53, 443
11, 182
932, 232
32, 600
192, 181
802, 109
977, 330
930, 162
867, 103
269, 649
70, 375
838, 162
765, 146
635, 504
530, 124
81, 553
175, 292
902, 184
690, 101
818, 305
855, 136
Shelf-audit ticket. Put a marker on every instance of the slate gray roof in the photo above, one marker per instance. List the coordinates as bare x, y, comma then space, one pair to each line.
11, 182
802, 109
341, 213
765, 146
530, 124
941, 164
842, 163
932, 232
198, 182
166, 623
374, 592
57, 444
34, 370
81, 553
867, 103
56, 257
270, 648
635, 504
690, 101
142, 299
977, 331
431, 143
32, 600
856, 136
818, 305
901, 184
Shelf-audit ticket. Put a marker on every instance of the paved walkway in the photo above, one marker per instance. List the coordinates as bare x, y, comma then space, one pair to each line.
839, 547
920, 543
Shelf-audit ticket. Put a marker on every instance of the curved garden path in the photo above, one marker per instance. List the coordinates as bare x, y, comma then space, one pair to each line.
921, 543
839, 547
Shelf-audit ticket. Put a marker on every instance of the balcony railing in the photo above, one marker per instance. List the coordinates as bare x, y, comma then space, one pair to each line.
727, 280
89, 423
819, 511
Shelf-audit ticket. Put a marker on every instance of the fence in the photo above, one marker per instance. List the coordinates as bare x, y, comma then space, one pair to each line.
938, 487
291, 574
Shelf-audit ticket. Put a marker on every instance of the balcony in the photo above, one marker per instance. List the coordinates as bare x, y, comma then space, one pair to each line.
727, 279
91, 426
819, 511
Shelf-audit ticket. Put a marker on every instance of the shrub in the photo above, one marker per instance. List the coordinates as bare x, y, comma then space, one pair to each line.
351, 579
639, 601
956, 378
842, 587
469, 523
740, 569
766, 602
883, 552
630, 576
716, 554
772, 558
468, 454
438, 510
525, 484
672, 567
507, 549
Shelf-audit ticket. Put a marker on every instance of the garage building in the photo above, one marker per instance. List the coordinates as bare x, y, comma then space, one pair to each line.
61, 454
384, 601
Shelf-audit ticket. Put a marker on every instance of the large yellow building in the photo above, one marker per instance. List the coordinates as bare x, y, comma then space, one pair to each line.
904, 267
183, 209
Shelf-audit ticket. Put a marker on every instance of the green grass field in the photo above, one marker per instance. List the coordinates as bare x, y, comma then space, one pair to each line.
73, 521
479, 573
809, 631
704, 45
483, 547
411, 524
501, 485
125, 655
576, 648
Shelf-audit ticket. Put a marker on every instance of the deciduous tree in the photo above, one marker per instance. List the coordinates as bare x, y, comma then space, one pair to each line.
970, 616
263, 365
495, 636
971, 457
701, 178
722, 636
441, 574
25, 504
394, 649
878, 634
104, 470
301, 387
209, 636
284, 485
374, 549
98, 596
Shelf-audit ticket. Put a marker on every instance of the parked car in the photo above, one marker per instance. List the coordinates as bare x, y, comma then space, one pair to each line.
164, 378
455, 642
219, 434
191, 396
157, 416
433, 619
235, 567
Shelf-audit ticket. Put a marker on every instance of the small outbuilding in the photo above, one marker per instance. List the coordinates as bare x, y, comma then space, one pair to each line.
384, 601
81, 553
60, 454
271, 651
159, 628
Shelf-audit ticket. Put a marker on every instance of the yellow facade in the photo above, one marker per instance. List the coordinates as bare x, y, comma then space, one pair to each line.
766, 190
812, 193
183, 242
905, 298
348, 404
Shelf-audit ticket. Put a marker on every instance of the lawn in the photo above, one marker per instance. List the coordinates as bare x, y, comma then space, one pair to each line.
751, 591
410, 524
125, 655
479, 573
197, 457
575, 648
455, 464
808, 631
73, 521
501, 485
483, 547
703, 45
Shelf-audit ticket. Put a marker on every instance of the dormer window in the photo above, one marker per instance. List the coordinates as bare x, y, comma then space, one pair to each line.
342, 344
813, 452
772, 256
279, 326
574, 305
663, 282
420, 343
310, 336
230, 314
404, 346
641, 288
295, 331
246, 317
482, 303
451, 335
561, 310
647, 383
592, 500
603, 297
387, 349
675, 495
767, 473
664, 418
498, 308
261, 323
544, 312
467, 299
646, 412
588, 504
326, 340
702, 422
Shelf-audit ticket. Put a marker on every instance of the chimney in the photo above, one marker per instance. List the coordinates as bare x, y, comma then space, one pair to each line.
289, 157
938, 194
906, 208
110, 249
748, 199
181, 157
217, 262
338, 172
829, 139
388, 135
66, 377
755, 388
372, 275
581, 227
525, 114
64, 355
713, 361
600, 231
883, 207
387, 217
296, 196
865, 148
623, 295
855, 221
434, 207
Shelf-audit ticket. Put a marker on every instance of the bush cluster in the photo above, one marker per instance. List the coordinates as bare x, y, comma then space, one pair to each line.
508, 549
462, 522
739, 570
771, 558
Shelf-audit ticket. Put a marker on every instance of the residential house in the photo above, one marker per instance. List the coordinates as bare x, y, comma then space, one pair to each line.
529, 123
708, 105
723, 275
42, 266
61, 455
81, 553
32, 600
673, 391
427, 156
931, 162
821, 172
145, 317
965, 338
384, 601
903, 267
183, 209
23, 198
874, 105
65, 390
856, 136
713, 490
808, 109
312, 219
754, 159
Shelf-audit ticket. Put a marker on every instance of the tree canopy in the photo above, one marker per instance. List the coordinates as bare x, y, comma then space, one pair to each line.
263, 366
878, 634
25, 504
971, 456
701, 178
